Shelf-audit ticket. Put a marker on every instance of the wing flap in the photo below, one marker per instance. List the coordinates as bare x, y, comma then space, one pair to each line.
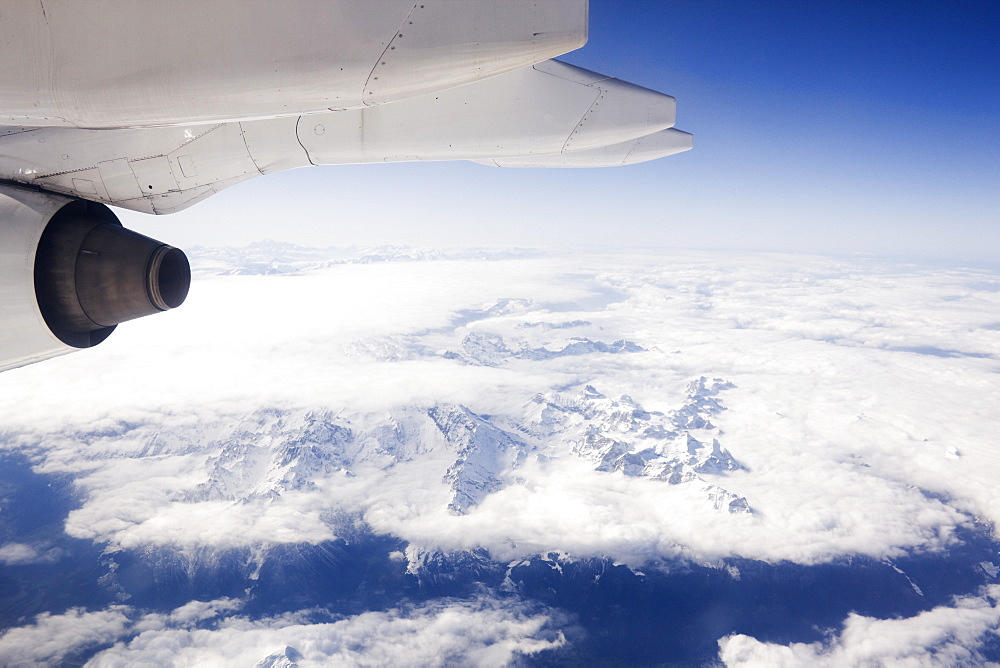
651, 147
557, 108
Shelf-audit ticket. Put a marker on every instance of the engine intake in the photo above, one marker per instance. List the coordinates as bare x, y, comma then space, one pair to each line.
92, 274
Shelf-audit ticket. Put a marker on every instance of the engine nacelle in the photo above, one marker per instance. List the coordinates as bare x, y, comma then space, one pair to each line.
70, 273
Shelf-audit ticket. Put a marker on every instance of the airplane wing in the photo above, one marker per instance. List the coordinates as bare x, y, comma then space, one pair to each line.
147, 129
529, 115
122, 63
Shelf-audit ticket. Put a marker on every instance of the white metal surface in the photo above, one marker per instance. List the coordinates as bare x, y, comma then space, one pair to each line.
529, 111
24, 336
650, 147
134, 63
548, 115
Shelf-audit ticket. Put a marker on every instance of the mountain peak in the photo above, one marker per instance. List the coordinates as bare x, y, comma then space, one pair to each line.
284, 658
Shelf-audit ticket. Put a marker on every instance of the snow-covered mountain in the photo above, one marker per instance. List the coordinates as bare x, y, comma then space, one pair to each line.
484, 453
285, 658
620, 435
274, 257
487, 349
271, 452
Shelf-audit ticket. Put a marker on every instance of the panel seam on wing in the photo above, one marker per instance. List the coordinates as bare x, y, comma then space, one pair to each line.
579, 125
631, 150
243, 136
298, 139
398, 32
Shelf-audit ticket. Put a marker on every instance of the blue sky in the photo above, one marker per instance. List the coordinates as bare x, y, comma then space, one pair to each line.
819, 126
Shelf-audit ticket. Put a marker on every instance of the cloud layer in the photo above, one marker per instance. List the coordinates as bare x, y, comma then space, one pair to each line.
943, 636
478, 632
862, 410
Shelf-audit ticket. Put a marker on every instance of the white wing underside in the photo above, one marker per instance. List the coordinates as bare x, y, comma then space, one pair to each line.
549, 115
392, 81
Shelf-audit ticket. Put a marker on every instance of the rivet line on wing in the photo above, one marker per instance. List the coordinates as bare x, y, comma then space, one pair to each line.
384, 56
583, 119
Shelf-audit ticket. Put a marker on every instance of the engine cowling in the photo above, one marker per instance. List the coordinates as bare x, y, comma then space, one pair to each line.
70, 273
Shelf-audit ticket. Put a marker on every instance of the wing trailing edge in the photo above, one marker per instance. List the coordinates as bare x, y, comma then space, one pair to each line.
547, 115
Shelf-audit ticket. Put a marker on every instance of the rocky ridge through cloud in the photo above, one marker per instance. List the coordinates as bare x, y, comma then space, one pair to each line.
488, 348
485, 349
484, 454
272, 452
619, 435
286, 658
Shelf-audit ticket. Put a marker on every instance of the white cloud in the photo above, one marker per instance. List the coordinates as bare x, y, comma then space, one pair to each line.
480, 632
16, 554
943, 636
52, 637
186, 616
217, 524
846, 406
483, 632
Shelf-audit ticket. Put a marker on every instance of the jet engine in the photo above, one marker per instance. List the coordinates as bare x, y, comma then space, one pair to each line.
70, 273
